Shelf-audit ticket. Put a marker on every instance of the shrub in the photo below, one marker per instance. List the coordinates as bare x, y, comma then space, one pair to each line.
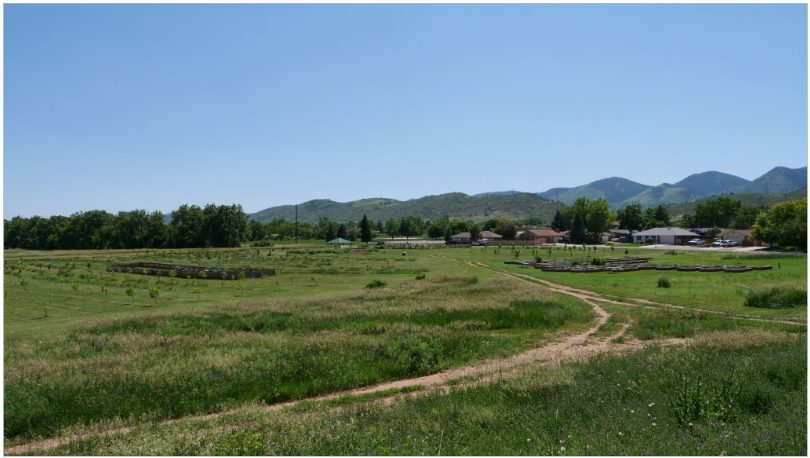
776, 298
154, 293
538, 259
417, 354
663, 282
375, 284
598, 262
671, 252
420, 276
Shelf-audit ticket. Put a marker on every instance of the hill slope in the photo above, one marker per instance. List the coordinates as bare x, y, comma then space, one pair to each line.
777, 180
614, 189
710, 183
661, 194
747, 199
456, 204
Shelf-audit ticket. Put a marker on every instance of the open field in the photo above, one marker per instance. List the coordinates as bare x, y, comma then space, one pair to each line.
717, 291
94, 365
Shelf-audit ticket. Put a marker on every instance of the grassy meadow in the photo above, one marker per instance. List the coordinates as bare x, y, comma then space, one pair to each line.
719, 397
717, 291
87, 349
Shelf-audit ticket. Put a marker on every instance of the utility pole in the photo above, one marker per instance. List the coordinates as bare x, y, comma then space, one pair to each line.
296, 223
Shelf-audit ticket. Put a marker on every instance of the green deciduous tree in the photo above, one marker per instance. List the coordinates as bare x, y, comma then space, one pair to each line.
392, 227
475, 233
717, 212
599, 218
410, 226
784, 223
507, 230
631, 218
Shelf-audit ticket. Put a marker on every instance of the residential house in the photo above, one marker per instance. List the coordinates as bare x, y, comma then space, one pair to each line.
665, 236
540, 235
465, 237
461, 237
490, 235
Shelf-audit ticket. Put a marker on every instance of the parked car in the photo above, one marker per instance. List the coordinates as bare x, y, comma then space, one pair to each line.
695, 242
723, 243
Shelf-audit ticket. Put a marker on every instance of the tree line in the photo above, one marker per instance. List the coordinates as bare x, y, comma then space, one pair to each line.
366, 229
586, 219
191, 227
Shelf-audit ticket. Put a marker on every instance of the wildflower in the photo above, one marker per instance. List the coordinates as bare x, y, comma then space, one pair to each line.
651, 404
620, 433
528, 440
562, 449
632, 411
690, 423
653, 424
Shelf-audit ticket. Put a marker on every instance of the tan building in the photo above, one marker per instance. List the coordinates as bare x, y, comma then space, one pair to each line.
541, 235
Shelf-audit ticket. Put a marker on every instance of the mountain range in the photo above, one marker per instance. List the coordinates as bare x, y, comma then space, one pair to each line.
515, 204
455, 204
621, 191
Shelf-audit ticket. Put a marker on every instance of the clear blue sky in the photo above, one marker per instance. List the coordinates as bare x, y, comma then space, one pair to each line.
151, 106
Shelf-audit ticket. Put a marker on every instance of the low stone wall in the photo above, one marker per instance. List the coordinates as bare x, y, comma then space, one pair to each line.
186, 271
632, 267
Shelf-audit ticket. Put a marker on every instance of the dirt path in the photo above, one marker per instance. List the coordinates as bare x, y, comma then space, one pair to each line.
577, 347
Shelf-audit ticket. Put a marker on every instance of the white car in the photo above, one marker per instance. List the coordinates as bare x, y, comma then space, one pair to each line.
695, 242
723, 243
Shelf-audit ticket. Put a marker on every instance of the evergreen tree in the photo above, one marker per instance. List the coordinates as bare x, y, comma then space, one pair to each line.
329, 233
578, 234
365, 229
341, 232
558, 224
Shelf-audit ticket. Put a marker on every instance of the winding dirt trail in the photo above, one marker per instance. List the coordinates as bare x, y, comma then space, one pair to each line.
570, 347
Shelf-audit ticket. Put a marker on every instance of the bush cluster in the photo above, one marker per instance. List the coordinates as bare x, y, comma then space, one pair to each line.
776, 298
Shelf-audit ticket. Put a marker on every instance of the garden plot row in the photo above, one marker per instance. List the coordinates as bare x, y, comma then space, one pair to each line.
557, 267
188, 271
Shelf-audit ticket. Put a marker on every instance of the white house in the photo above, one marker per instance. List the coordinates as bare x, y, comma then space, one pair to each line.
664, 235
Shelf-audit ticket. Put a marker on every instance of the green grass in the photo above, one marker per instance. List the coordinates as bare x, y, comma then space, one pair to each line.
172, 363
81, 353
718, 291
710, 399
